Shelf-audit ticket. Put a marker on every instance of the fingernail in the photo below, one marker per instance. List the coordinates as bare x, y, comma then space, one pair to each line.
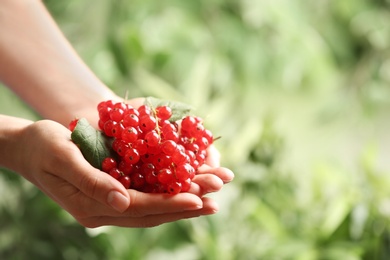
195, 206
118, 201
229, 175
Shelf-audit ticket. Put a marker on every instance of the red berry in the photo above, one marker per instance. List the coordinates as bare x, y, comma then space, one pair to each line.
169, 147
137, 181
208, 135
72, 124
152, 138
154, 150
149, 172
126, 181
164, 112
147, 123
130, 119
184, 171
105, 104
109, 128
174, 187
122, 148
144, 110
165, 176
129, 134
131, 156
125, 168
120, 105
141, 146
179, 157
188, 123
108, 164
115, 173
162, 160
104, 113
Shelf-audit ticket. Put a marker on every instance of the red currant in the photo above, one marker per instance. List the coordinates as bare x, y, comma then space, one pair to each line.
72, 124
131, 156
126, 181
152, 138
108, 164
115, 173
164, 112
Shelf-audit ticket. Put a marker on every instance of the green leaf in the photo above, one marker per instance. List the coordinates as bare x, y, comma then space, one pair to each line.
179, 109
94, 145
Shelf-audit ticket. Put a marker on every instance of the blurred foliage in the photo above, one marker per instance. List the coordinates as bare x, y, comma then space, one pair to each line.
299, 92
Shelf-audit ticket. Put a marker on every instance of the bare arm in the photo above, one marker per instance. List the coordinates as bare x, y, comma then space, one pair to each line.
39, 64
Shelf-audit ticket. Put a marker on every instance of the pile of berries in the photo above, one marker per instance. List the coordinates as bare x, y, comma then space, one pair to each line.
153, 154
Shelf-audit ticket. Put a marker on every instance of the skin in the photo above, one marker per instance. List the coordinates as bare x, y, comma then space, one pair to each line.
35, 57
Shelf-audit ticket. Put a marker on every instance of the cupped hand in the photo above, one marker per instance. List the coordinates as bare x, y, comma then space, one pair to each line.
56, 166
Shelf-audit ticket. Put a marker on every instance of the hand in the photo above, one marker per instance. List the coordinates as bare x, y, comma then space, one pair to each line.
56, 166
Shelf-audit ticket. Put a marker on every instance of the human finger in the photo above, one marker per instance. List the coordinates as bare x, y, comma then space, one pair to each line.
209, 207
213, 156
225, 174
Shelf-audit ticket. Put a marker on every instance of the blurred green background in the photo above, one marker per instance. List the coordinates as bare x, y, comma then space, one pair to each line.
299, 92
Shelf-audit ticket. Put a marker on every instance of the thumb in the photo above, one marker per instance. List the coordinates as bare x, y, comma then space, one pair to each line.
98, 185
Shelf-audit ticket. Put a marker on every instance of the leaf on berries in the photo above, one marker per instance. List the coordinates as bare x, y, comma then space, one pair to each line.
179, 109
94, 145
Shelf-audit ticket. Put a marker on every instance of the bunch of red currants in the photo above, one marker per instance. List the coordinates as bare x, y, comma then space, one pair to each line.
152, 152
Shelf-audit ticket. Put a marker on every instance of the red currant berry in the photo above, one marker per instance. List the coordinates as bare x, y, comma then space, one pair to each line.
179, 157
191, 155
109, 128
72, 124
116, 114
192, 147
137, 181
130, 119
108, 163
174, 187
115, 173
188, 123
202, 142
101, 124
168, 128
169, 147
131, 156
125, 168
149, 172
126, 181
165, 176
144, 110
154, 150
184, 171
104, 104
129, 134
208, 135
162, 160
104, 113
174, 136
147, 123
164, 112
141, 146
122, 148
152, 138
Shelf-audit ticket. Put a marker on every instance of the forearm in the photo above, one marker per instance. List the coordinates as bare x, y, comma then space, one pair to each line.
39, 64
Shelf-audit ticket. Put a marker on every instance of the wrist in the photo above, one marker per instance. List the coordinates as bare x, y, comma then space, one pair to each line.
11, 129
